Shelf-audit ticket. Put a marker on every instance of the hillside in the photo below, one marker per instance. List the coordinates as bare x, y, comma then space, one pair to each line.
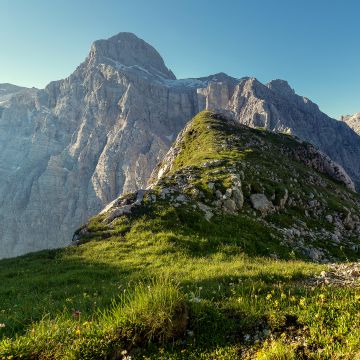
211, 261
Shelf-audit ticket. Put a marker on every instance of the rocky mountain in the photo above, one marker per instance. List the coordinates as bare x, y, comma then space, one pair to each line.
221, 172
71, 148
353, 121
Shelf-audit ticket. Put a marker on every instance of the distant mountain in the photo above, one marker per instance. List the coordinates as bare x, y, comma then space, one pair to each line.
10, 89
353, 121
276, 107
71, 148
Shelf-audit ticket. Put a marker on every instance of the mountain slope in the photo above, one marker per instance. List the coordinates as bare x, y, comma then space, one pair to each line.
193, 267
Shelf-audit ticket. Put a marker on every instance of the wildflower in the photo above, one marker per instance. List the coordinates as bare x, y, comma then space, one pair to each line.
322, 298
283, 295
293, 298
124, 352
268, 296
76, 314
302, 301
195, 299
276, 303
2, 325
78, 332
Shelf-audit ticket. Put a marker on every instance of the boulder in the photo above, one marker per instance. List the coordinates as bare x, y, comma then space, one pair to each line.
261, 203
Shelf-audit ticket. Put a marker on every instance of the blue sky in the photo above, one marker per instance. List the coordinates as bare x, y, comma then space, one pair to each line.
312, 44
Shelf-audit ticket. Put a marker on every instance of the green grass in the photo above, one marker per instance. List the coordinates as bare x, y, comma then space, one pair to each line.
164, 283
228, 292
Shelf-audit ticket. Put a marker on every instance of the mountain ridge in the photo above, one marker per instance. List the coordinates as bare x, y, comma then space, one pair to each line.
88, 138
220, 168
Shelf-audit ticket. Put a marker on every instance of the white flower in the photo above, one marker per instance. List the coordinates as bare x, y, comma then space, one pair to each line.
2, 325
195, 299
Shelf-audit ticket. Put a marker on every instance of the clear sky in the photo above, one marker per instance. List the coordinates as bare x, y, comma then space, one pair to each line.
314, 44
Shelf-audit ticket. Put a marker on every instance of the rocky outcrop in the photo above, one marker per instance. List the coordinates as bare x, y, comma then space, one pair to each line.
316, 159
260, 202
352, 121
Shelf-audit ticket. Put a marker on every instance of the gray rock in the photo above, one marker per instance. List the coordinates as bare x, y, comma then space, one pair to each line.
329, 218
284, 199
206, 209
260, 202
238, 197
229, 205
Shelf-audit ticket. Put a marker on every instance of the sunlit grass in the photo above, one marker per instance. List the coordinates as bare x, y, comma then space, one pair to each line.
168, 284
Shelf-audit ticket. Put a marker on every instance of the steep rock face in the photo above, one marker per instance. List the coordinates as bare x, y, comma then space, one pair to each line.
71, 148
276, 107
353, 121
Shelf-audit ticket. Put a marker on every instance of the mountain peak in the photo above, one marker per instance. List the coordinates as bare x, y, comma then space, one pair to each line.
281, 87
128, 50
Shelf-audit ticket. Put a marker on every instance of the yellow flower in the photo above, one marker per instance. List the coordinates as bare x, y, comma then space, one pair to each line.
268, 296
302, 301
78, 332
283, 296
